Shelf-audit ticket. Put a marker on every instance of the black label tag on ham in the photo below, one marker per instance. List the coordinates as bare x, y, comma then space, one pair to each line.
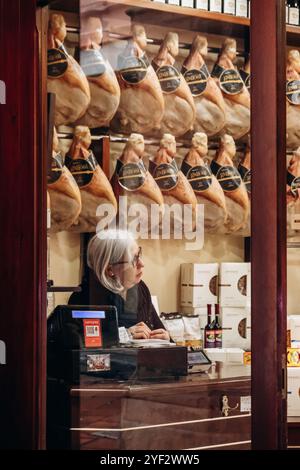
131, 176
230, 80
228, 176
57, 163
133, 70
293, 91
246, 78
196, 79
169, 78
92, 63
165, 175
82, 169
57, 62
246, 177
199, 177
294, 183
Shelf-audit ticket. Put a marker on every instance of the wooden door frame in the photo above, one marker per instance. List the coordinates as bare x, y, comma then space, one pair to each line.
268, 243
23, 245
23, 208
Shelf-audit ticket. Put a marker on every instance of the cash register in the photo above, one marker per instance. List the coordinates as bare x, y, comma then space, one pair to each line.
83, 341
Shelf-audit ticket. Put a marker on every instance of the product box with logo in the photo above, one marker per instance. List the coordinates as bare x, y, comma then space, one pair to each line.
235, 285
293, 397
236, 327
199, 284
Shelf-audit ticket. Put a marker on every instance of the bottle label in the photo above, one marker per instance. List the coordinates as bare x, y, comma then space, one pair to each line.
228, 176
168, 77
294, 16
215, 5
131, 176
165, 175
241, 8
57, 62
202, 4
229, 7
293, 91
246, 177
133, 70
196, 79
209, 339
199, 177
218, 336
82, 169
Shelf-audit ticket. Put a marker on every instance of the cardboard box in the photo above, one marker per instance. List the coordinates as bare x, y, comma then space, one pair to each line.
293, 396
199, 284
235, 285
293, 322
236, 326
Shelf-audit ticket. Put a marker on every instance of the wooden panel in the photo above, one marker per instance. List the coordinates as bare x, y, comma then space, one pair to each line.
268, 223
23, 231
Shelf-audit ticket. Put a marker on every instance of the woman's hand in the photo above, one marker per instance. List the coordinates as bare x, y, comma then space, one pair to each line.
160, 334
140, 331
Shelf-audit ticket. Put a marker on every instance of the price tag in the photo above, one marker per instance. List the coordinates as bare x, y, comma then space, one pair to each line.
245, 406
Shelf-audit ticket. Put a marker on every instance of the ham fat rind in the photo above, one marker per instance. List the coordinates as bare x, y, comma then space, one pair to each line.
142, 105
208, 98
65, 77
235, 93
104, 87
180, 111
95, 188
65, 199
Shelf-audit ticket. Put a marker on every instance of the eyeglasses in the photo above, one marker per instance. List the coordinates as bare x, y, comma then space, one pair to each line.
134, 260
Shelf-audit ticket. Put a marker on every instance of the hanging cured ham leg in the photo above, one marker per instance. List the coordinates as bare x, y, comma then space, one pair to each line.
172, 182
293, 192
65, 77
65, 199
293, 99
142, 105
180, 111
246, 74
94, 186
232, 184
235, 93
209, 102
133, 180
104, 87
205, 185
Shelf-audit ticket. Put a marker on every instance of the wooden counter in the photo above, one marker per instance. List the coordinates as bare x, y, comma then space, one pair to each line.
182, 414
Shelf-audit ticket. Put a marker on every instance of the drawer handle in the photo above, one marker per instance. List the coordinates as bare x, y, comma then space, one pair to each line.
225, 406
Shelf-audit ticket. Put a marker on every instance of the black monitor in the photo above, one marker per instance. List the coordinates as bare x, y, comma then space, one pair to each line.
83, 327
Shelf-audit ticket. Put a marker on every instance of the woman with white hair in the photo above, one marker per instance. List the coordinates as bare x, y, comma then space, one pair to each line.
116, 261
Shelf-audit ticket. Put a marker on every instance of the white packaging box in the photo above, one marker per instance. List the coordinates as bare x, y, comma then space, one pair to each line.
233, 355
202, 4
293, 386
174, 2
199, 284
235, 285
236, 327
294, 326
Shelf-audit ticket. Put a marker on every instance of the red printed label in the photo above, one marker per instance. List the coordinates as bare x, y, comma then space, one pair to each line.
92, 333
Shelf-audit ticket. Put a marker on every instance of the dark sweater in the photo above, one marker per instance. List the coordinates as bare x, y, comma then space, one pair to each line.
136, 308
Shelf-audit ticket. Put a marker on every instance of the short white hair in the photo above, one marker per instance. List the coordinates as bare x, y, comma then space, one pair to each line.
108, 247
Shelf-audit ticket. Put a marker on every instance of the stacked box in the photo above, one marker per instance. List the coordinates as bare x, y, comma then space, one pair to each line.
293, 402
235, 285
199, 284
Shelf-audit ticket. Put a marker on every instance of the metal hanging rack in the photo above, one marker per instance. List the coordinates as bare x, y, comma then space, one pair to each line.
155, 42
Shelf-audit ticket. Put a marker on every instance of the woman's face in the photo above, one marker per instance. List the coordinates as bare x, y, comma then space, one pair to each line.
130, 270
